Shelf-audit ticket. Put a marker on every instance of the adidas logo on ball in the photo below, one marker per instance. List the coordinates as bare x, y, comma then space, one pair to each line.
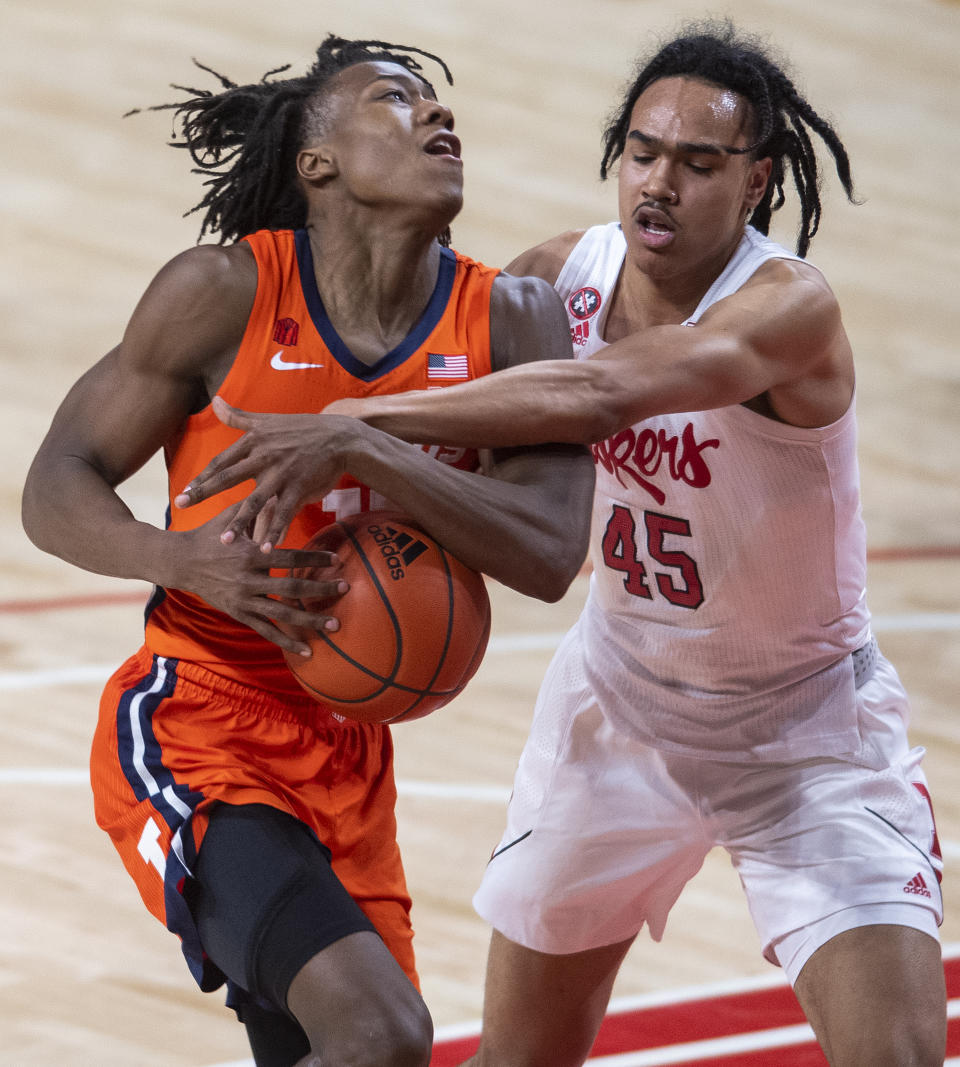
399, 549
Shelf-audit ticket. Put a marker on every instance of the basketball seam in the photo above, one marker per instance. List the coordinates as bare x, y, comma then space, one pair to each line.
386, 682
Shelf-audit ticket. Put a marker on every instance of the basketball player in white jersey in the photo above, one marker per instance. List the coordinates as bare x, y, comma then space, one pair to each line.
722, 686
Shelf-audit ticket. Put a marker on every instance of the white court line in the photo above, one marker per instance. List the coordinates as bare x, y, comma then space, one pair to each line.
920, 621
98, 673
779, 1037
406, 787
44, 776
73, 776
687, 1052
92, 672
502, 644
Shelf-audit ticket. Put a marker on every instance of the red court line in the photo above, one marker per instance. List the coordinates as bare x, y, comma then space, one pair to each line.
93, 600
62, 603
670, 1024
705, 1018
698, 1020
887, 555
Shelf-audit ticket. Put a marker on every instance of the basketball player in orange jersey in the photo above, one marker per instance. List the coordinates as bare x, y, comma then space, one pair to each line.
256, 825
722, 686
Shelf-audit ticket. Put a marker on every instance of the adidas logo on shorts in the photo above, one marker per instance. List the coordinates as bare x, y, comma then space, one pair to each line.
917, 885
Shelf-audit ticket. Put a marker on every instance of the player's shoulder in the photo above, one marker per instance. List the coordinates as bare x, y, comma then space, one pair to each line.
795, 280
514, 296
209, 269
215, 284
195, 309
527, 321
546, 260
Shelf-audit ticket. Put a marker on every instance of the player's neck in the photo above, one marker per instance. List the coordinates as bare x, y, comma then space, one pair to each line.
382, 279
373, 291
646, 296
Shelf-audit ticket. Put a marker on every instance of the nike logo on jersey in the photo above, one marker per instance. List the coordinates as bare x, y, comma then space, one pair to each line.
279, 363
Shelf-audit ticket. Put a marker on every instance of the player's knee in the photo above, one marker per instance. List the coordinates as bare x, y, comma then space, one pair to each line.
916, 1042
403, 1038
920, 1044
411, 1038
520, 1052
899, 1050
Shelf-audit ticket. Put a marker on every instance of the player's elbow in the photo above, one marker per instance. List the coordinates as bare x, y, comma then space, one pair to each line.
549, 578
39, 518
561, 550
556, 580
32, 512
544, 557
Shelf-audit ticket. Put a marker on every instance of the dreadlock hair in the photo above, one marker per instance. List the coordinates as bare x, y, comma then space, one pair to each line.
714, 52
245, 139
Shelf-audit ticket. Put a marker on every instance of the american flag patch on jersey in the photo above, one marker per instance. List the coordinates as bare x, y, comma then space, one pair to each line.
446, 366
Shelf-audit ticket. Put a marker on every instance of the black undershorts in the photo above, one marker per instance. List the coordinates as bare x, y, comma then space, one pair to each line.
266, 900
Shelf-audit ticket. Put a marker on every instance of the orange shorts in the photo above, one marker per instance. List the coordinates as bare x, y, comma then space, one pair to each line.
173, 739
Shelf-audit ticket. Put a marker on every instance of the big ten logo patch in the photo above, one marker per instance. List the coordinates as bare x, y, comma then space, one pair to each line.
584, 302
583, 305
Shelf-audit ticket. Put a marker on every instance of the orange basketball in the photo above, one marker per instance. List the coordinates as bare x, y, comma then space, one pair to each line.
413, 626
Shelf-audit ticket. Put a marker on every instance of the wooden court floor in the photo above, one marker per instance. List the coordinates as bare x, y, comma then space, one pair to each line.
90, 208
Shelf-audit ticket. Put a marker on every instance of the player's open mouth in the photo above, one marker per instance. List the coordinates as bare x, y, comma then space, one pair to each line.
655, 227
443, 144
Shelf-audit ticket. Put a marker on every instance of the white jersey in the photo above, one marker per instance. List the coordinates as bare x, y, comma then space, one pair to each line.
729, 558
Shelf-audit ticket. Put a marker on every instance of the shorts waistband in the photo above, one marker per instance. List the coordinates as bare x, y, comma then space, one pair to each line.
865, 662
205, 683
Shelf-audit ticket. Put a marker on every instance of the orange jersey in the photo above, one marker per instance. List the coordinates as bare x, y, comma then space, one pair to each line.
292, 360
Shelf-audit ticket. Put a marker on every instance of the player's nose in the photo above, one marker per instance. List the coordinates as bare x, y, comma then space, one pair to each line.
658, 183
435, 113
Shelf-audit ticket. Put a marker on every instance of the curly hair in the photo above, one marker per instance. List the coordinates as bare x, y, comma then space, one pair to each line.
244, 140
782, 119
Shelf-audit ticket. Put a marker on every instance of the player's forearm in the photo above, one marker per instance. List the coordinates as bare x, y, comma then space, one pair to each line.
527, 528
554, 400
69, 511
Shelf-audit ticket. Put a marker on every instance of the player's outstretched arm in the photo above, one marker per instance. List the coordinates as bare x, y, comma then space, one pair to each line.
296, 458
780, 335
525, 524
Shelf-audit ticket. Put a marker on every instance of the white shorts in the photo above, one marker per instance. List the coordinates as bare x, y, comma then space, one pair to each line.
603, 832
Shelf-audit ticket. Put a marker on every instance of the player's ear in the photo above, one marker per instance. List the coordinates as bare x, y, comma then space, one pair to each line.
317, 164
757, 182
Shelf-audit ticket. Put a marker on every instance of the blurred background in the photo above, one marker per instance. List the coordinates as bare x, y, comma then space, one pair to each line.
93, 204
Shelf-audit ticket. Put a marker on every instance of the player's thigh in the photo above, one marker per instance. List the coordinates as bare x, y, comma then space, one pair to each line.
544, 1010
876, 994
265, 898
602, 832
274, 917
830, 845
